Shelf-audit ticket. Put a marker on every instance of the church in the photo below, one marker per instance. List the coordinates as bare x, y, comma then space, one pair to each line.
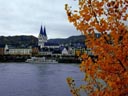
45, 47
43, 40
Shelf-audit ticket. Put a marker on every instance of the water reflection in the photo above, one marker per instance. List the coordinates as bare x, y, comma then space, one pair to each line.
36, 79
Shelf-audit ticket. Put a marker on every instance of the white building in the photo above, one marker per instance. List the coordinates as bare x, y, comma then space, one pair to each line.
64, 51
17, 51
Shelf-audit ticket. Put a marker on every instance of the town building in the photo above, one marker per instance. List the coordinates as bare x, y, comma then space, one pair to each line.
2, 49
35, 51
65, 52
12, 50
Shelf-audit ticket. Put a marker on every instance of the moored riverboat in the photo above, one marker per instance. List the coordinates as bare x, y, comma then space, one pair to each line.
40, 60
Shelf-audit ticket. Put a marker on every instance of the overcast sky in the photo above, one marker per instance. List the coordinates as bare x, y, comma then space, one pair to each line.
24, 17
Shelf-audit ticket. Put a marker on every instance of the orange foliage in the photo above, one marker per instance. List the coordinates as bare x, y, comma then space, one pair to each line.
110, 66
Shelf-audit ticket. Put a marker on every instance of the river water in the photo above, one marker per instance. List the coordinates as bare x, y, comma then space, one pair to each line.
22, 79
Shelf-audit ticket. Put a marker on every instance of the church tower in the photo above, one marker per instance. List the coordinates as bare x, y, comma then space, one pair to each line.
42, 38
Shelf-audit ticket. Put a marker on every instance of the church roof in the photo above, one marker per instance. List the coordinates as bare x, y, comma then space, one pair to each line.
50, 44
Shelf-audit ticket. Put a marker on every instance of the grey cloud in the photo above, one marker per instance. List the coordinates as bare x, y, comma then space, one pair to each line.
24, 17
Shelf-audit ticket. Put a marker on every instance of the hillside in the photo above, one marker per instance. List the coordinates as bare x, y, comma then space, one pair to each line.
72, 39
22, 41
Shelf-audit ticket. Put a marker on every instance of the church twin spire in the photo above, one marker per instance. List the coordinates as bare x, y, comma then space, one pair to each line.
42, 38
43, 31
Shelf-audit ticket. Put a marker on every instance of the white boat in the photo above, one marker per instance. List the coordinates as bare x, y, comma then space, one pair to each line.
40, 60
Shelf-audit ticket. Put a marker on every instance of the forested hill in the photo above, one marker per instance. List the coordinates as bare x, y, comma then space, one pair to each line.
21, 41
72, 39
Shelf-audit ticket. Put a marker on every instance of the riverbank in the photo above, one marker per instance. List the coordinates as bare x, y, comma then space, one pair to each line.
13, 58
23, 58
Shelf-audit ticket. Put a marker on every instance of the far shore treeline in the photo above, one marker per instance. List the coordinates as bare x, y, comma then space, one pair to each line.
33, 41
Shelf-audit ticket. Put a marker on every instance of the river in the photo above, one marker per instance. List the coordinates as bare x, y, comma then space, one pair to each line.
23, 79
